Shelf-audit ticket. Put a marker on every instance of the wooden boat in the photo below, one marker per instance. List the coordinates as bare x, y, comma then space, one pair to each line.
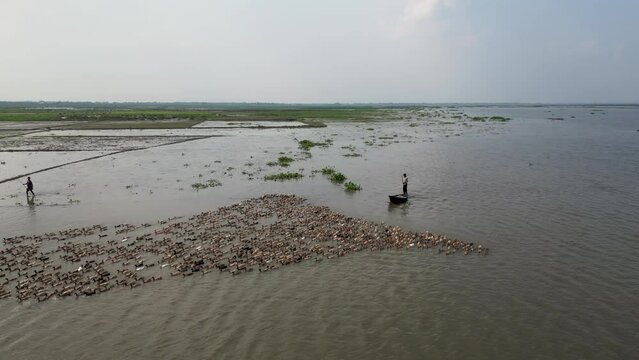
398, 199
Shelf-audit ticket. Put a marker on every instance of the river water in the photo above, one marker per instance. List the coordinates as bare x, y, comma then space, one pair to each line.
556, 201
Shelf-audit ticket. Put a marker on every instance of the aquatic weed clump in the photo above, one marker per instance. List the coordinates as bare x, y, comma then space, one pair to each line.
328, 171
284, 161
208, 184
351, 186
499, 118
306, 145
283, 176
492, 118
338, 177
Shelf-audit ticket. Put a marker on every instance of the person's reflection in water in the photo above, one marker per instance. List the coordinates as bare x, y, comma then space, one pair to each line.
31, 203
401, 208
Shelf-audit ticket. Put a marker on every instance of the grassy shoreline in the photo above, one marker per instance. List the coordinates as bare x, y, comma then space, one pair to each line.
22, 114
173, 116
118, 116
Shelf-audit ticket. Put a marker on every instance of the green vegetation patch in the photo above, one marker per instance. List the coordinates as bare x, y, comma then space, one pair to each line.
333, 175
283, 161
185, 114
337, 177
283, 176
208, 184
306, 145
328, 171
351, 186
492, 118
499, 118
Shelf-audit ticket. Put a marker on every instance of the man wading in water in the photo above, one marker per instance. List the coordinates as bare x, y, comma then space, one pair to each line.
405, 184
29, 185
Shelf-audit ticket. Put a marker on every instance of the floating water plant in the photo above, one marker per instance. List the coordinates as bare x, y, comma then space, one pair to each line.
338, 177
283, 176
492, 118
328, 171
351, 186
284, 161
499, 118
306, 145
208, 184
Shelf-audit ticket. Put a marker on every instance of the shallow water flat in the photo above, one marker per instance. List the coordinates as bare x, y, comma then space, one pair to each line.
32, 125
87, 143
15, 163
555, 200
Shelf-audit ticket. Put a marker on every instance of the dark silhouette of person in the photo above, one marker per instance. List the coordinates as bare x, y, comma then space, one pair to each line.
405, 184
29, 185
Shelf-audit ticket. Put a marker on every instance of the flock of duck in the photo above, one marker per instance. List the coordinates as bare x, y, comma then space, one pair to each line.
261, 234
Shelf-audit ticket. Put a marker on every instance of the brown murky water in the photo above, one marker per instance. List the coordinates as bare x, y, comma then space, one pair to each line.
556, 202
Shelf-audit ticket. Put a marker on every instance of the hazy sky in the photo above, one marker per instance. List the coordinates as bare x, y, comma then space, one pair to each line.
320, 51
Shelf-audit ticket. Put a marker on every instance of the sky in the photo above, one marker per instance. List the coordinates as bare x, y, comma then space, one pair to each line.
303, 51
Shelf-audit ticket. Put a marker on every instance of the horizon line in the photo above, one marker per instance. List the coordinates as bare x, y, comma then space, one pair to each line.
7, 102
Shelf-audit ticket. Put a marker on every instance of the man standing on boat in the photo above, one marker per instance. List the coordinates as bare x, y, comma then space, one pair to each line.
405, 184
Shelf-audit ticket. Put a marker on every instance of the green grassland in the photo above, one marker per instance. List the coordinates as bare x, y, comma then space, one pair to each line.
310, 115
184, 115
